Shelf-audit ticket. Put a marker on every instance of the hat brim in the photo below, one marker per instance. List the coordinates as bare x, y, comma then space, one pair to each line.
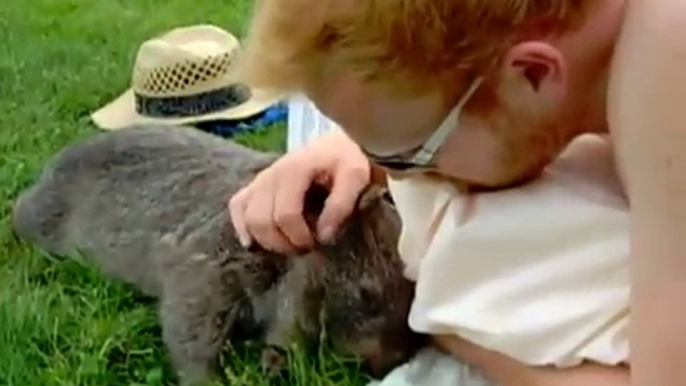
122, 113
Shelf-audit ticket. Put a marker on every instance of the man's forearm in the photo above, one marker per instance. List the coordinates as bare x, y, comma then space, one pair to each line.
499, 369
505, 371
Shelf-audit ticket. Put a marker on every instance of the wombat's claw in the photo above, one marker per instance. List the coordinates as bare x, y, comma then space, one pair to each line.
273, 362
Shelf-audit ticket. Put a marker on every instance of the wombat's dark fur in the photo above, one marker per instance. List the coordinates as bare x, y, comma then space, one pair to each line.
149, 205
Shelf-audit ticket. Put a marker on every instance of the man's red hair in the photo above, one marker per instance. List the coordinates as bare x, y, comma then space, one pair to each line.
409, 45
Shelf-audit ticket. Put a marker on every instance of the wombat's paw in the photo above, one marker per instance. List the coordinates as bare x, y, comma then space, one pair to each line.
195, 375
273, 362
201, 378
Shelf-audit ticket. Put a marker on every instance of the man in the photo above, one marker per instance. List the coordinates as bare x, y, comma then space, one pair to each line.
514, 82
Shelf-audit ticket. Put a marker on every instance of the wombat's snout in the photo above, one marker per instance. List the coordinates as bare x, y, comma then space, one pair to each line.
379, 366
381, 356
387, 362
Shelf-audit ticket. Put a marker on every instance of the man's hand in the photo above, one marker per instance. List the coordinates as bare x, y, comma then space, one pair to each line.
269, 210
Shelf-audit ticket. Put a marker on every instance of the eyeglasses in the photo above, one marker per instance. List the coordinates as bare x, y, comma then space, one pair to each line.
420, 157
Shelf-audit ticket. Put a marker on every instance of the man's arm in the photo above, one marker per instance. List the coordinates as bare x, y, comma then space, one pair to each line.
647, 112
504, 371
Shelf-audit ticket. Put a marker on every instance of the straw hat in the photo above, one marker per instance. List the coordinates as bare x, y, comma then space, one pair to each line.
184, 76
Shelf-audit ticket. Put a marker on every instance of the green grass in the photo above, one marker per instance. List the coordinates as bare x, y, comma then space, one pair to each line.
62, 323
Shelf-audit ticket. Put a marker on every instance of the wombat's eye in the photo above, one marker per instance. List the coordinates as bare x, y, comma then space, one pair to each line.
388, 197
370, 301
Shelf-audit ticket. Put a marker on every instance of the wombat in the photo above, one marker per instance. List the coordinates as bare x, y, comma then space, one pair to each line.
148, 204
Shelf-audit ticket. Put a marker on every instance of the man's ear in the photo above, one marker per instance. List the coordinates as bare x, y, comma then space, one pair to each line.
536, 67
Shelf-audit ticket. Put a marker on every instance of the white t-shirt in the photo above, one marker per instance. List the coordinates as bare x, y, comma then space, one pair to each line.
538, 272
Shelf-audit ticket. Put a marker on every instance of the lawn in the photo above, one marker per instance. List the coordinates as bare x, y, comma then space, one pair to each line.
61, 323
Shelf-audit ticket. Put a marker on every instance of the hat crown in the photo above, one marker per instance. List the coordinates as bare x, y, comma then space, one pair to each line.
185, 61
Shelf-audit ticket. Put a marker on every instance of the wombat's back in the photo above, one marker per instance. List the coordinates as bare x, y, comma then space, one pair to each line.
116, 194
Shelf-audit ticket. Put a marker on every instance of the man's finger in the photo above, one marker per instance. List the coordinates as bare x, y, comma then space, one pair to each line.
259, 218
288, 208
237, 206
346, 188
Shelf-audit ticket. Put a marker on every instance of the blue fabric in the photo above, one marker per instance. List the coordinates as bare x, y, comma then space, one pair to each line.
276, 113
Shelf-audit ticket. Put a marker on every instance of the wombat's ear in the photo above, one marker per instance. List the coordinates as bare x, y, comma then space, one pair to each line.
370, 195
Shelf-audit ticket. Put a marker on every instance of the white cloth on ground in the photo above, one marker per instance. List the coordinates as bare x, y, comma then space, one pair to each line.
538, 272
431, 367
305, 122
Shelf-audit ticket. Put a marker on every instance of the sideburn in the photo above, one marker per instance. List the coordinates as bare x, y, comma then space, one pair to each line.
529, 138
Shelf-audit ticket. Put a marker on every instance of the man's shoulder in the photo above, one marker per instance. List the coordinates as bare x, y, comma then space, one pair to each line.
652, 39
660, 15
661, 22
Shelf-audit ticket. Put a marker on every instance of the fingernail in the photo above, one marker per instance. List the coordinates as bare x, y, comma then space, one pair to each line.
327, 235
245, 241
